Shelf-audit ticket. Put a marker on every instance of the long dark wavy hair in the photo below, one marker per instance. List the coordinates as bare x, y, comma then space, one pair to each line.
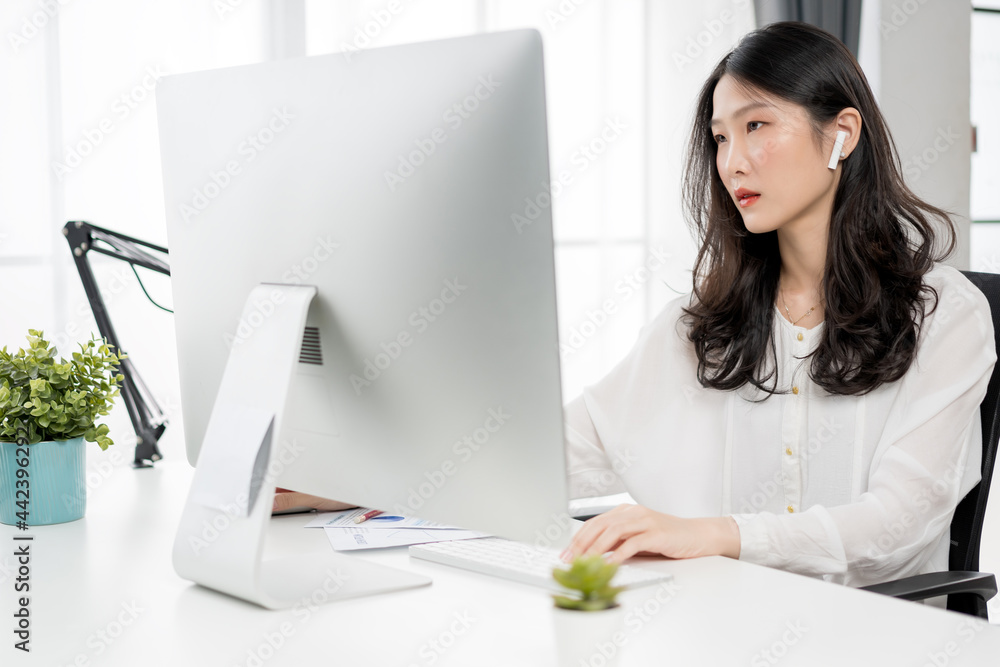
881, 240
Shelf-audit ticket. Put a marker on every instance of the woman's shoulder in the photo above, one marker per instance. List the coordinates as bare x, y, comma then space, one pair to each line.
663, 339
947, 277
670, 319
959, 308
955, 290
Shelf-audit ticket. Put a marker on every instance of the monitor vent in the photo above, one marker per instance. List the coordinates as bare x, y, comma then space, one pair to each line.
311, 352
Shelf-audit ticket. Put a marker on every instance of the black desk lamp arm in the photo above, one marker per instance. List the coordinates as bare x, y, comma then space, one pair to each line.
146, 415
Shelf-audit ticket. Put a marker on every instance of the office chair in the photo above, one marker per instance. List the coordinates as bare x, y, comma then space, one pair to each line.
967, 588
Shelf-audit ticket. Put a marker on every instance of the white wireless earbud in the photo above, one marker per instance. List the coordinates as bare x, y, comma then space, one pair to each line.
838, 144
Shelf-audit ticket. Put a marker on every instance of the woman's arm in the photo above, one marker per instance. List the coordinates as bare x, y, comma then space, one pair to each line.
617, 399
589, 471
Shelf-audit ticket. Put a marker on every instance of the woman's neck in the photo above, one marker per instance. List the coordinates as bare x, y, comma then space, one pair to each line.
803, 261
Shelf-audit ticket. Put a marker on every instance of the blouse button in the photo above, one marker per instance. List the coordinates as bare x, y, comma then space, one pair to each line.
799, 335
795, 390
788, 450
790, 509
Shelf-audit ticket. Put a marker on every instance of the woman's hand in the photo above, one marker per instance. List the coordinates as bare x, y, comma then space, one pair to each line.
628, 530
285, 499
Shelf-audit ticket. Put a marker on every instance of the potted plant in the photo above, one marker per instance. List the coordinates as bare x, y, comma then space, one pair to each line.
588, 618
47, 409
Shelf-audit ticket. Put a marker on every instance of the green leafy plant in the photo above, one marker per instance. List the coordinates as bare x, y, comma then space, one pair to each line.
589, 578
50, 400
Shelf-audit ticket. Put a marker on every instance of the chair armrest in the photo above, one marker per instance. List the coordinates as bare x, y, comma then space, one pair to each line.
934, 584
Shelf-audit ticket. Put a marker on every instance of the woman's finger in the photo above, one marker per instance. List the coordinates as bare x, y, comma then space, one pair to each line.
614, 535
591, 530
630, 547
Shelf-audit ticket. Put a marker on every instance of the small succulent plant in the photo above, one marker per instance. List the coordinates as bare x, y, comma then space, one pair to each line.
589, 579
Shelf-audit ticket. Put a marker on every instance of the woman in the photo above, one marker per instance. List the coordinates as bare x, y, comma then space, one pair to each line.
813, 404
816, 396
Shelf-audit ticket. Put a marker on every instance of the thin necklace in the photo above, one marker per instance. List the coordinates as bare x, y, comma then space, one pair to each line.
789, 315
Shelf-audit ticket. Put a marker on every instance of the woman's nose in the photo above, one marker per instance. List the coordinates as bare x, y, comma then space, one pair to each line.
737, 162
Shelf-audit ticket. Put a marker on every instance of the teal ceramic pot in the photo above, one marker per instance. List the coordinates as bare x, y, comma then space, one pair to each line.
57, 492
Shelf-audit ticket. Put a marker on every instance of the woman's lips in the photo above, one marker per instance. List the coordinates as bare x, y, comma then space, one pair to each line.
746, 197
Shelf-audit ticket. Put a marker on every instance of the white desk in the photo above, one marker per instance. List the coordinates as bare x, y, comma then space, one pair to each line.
90, 575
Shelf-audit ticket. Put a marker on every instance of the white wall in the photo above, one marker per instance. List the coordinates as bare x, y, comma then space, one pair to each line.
915, 54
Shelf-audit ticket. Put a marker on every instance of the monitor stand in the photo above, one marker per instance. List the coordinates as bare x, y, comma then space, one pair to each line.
220, 541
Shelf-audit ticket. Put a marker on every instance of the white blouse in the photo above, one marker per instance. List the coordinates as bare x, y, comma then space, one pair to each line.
853, 489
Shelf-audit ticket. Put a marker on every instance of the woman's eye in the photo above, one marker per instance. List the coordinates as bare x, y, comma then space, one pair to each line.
718, 138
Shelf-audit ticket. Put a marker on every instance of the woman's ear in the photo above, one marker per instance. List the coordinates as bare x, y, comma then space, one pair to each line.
848, 122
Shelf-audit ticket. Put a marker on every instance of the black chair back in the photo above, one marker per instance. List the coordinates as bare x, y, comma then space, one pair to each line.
967, 524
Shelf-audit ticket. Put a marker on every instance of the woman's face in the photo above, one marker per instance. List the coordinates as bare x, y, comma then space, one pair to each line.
767, 147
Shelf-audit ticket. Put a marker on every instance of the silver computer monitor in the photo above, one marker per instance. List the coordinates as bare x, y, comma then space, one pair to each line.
410, 186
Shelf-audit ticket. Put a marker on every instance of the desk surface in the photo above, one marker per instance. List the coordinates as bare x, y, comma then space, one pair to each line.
104, 593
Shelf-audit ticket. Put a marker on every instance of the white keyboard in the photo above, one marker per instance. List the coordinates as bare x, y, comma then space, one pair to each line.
519, 562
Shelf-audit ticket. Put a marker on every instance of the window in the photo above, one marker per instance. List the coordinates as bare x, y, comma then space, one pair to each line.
621, 75
985, 111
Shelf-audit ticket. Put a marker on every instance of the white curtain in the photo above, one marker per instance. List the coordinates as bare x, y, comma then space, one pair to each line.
79, 141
